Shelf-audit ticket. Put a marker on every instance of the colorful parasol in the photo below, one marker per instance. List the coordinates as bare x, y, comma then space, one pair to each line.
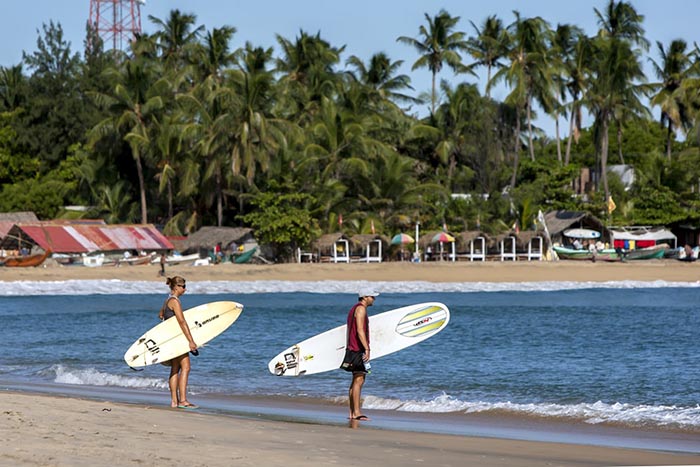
402, 239
443, 237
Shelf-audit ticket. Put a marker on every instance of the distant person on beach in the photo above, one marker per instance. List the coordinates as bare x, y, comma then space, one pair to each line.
358, 350
180, 368
162, 264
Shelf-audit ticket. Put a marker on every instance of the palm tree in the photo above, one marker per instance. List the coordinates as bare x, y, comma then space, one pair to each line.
135, 100
614, 72
307, 73
488, 46
575, 72
527, 74
176, 36
254, 133
380, 75
214, 55
438, 44
564, 46
673, 71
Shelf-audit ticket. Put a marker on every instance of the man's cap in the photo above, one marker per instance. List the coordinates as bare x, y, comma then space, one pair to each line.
367, 293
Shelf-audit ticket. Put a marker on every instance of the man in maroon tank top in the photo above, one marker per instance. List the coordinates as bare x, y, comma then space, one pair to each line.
358, 341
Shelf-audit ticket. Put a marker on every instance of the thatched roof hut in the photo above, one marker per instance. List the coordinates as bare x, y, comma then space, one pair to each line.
559, 221
426, 238
207, 237
325, 242
523, 238
360, 241
333, 247
463, 239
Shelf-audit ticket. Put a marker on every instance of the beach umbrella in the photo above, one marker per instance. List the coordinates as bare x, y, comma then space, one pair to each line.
443, 237
402, 239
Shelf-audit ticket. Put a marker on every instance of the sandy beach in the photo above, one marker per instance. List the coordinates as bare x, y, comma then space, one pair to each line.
39, 429
59, 431
519, 271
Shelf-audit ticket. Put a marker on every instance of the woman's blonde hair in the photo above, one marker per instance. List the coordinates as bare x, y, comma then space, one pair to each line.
175, 281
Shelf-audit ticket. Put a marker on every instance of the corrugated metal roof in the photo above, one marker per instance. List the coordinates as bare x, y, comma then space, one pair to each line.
86, 238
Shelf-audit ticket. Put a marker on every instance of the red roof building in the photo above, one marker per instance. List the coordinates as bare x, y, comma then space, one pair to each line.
85, 237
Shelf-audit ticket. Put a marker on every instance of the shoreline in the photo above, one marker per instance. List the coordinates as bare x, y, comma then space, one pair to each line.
438, 272
71, 429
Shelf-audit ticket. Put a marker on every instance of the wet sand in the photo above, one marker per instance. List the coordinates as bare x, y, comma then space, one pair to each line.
63, 431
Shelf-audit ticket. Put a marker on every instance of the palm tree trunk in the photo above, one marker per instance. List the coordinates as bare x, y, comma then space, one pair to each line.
572, 117
170, 199
219, 202
604, 138
488, 80
142, 186
529, 128
669, 134
619, 143
433, 97
516, 152
556, 123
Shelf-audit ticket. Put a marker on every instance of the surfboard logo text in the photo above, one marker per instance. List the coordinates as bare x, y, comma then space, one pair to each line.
208, 320
423, 321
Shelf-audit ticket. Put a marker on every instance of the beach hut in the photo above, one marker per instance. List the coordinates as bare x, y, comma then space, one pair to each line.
530, 245
436, 250
506, 246
471, 245
633, 237
558, 222
72, 237
332, 248
368, 248
231, 239
9, 219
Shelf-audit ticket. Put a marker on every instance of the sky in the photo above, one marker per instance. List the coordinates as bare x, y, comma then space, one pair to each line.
364, 27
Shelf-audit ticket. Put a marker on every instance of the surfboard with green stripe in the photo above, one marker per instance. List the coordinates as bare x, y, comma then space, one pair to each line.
390, 332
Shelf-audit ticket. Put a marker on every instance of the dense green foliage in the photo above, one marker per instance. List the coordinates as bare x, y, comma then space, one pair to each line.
184, 130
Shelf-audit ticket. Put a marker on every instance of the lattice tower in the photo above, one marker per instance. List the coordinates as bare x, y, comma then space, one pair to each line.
116, 21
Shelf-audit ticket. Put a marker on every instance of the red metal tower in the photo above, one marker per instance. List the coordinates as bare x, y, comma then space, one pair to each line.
116, 21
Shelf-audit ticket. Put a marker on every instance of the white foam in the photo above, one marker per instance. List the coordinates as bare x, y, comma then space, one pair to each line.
593, 413
108, 287
92, 377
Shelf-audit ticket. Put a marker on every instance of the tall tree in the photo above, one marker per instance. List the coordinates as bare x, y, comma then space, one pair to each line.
438, 44
381, 76
488, 46
673, 72
132, 105
176, 36
527, 74
615, 72
54, 115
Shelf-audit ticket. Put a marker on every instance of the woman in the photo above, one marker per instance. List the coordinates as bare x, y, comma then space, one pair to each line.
180, 369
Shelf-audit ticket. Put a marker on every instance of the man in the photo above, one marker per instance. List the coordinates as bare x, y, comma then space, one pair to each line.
358, 341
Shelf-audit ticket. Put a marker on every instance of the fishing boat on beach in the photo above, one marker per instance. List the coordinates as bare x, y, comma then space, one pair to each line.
607, 254
28, 261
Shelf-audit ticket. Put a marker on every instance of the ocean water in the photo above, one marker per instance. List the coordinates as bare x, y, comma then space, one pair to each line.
622, 353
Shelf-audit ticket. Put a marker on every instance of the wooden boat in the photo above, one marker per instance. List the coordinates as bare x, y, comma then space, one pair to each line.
176, 259
652, 252
137, 260
25, 261
244, 257
570, 253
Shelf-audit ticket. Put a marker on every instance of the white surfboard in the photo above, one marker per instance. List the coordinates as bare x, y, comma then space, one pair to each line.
166, 340
582, 233
389, 332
